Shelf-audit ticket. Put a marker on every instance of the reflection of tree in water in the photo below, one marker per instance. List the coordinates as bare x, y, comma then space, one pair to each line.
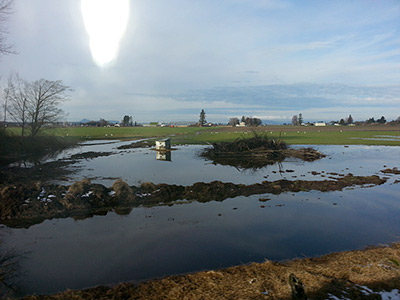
9, 271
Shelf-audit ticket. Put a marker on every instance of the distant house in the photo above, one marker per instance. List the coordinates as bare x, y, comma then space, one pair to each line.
320, 124
241, 124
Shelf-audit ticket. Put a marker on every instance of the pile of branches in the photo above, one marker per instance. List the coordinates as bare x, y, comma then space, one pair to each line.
257, 142
255, 152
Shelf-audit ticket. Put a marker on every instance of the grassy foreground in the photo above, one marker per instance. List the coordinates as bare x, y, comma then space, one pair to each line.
346, 275
330, 135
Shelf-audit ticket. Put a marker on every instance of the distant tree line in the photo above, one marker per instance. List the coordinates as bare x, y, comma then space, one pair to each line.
247, 121
382, 120
349, 120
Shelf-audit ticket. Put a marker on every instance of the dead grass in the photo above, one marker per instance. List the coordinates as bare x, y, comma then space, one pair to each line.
376, 268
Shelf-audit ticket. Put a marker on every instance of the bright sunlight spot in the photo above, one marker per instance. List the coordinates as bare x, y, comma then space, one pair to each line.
105, 22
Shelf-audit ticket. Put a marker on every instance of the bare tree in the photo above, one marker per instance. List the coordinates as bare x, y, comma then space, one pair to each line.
5, 11
44, 98
295, 120
233, 121
15, 101
35, 105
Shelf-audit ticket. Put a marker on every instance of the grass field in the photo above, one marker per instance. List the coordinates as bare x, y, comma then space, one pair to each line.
330, 135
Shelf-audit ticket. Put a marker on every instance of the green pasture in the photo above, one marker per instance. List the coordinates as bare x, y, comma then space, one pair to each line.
301, 137
203, 135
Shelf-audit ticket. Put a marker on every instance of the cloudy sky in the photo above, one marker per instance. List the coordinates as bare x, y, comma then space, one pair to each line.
165, 60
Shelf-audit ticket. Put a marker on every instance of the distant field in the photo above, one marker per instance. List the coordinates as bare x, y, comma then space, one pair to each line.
330, 135
368, 135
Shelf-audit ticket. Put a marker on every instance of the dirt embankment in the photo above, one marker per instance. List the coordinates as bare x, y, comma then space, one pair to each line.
347, 275
26, 203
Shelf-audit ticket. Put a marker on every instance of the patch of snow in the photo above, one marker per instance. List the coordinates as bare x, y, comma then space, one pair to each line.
392, 295
87, 194
143, 195
42, 194
46, 200
365, 290
112, 193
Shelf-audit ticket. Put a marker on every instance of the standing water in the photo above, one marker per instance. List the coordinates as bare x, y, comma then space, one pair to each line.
162, 240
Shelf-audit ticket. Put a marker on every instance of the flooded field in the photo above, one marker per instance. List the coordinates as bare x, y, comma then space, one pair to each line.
189, 236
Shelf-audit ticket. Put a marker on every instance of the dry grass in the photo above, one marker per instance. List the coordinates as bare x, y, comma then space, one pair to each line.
377, 268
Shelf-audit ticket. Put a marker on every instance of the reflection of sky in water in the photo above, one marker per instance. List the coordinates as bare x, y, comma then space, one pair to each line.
154, 242
140, 165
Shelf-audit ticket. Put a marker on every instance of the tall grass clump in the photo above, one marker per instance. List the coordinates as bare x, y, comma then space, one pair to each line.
259, 141
253, 153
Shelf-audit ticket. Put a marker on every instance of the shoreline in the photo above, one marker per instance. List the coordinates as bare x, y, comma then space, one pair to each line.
357, 274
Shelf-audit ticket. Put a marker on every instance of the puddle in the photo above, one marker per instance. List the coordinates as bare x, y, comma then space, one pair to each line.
183, 166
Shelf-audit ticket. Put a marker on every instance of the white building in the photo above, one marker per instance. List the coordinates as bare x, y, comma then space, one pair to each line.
163, 144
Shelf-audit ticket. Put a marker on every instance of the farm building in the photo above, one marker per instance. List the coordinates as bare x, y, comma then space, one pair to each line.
163, 144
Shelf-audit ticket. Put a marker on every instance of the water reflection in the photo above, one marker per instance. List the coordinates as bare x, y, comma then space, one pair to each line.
164, 155
9, 270
174, 238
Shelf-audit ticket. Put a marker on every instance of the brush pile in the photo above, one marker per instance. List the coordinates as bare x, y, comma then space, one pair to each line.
256, 143
256, 152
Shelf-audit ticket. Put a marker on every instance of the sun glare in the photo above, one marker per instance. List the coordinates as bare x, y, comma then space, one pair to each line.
105, 22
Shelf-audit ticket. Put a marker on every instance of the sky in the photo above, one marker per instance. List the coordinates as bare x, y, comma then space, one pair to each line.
164, 61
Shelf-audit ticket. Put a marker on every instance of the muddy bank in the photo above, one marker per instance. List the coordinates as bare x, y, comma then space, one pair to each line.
394, 170
90, 155
24, 204
140, 144
362, 274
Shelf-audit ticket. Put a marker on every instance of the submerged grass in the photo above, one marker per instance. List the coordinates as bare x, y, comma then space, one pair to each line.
30, 148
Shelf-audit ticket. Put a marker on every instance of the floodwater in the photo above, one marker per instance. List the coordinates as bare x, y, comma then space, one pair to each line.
186, 167
191, 236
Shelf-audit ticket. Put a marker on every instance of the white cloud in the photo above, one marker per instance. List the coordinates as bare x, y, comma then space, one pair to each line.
172, 47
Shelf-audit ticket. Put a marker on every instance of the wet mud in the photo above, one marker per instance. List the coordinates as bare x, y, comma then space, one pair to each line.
90, 155
25, 204
394, 171
141, 144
